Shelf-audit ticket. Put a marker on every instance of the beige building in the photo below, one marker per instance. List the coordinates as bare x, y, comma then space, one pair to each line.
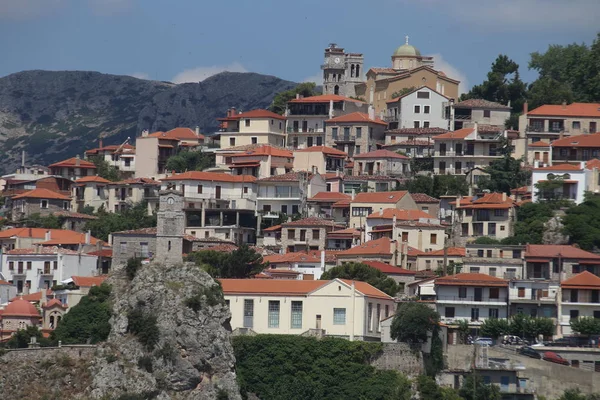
383, 250
551, 122
38, 201
319, 159
260, 161
432, 260
338, 308
306, 234
73, 168
122, 157
252, 127
364, 204
381, 162
492, 215
355, 133
467, 113
307, 116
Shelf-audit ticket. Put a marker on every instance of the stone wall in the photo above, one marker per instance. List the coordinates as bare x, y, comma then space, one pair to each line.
40, 353
400, 357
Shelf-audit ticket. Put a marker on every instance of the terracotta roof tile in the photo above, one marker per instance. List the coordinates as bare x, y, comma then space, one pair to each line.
311, 221
379, 197
288, 177
387, 268
480, 103
265, 151
520, 190
410, 143
355, 117
41, 193
423, 198
59, 236
323, 149
210, 176
260, 114
325, 98
74, 215
591, 140
141, 231
222, 248
560, 167
332, 175
112, 148
570, 110
372, 178
459, 134
177, 134
89, 281
401, 215
72, 162
381, 153
54, 302
94, 178
452, 252
137, 181
380, 246
330, 197
106, 253
342, 204
34, 297
593, 163
540, 143
416, 131
295, 257
471, 279
555, 251
584, 280
45, 250
272, 228
348, 232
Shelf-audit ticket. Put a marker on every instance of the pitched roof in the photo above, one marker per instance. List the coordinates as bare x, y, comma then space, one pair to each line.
222, 247
20, 308
54, 302
113, 148
423, 198
293, 176
272, 228
584, 280
471, 279
489, 201
88, 281
94, 178
265, 150
459, 134
591, 140
452, 252
540, 143
416, 131
560, 167
310, 221
294, 257
355, 117
106, 253
555, 251
60, 236
324, 98
342, 203
593, 163
45, 250
380, 197
381, 153
260, 114
387, 268
72, 162
141, 231
41, 193
401, 215
379, 246
137, 181
480, 103
323, 149
570, 110
330, 197
37, 296
74, 215
210, 177
343, 233
178, 133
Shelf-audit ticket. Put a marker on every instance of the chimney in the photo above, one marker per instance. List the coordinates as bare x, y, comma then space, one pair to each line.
394, 228
48, 236
330, 109
197, 130
503, 196
297, 96
77, 161
475, 127
43, 294
23, 161
371, 112
145, 133
322, 260
100, 143
525, 108
564, 105
88, 237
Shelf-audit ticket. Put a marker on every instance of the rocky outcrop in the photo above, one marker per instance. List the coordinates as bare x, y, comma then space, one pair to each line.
553, 230
170, 338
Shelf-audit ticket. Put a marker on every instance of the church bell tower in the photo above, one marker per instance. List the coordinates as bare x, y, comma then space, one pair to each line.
170, 227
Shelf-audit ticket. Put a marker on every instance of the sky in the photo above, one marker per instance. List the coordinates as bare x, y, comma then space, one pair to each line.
190, 40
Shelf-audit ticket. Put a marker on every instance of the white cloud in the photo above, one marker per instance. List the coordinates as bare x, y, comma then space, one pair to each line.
24, 9
140, 75
317, 78
451, 72
520, 15
110, 7
201, 73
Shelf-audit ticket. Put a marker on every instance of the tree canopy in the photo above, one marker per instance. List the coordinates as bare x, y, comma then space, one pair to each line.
364, 273
402, 92
281, 99
586, 325
437, 185
22, 338
190, 160
518, 325
104, 169
47, 222
582, 223
529, 227
134, 217
505, 173
244, 262
474, 388
413, 321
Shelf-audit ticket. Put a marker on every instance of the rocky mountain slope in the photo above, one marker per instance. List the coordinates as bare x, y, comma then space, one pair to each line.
55, 115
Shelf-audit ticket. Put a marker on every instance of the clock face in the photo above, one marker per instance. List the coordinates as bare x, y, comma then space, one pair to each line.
336, 60
170, 200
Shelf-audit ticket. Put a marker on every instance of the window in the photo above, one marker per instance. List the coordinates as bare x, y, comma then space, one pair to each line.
516, 254
474, 270
417, 109
426, 109
334, 133
273, 313
492, 271
245, 189
254, 140
596, 314
315, 234
498, 213
493, 313
11, 265
248, 313
474, 314
291, 234
199, 189
358, 132
296, 315
422, 95
319, 141
574, 314
295, 209
487, 113
416, 124
284, 209
144, 249
449, 312
232, 141
462, 292
370, 318
339, 316
378, 320
425, 124
247, 122
576, 125
98, 192
357, 151
494, 293
387, 311
55, 265
29, 265
123, 247
404, 236
44, 204
46, 267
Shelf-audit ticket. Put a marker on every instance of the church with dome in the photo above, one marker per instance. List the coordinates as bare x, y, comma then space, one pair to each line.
407, 57
21, 313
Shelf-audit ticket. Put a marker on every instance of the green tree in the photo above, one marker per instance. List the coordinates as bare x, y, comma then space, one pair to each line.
47, 221
505, 173
437, 185
134, 217
22, 338
243, 262
364, 273
486, 240
582, 223
104, 169
430, 390
413, 321
575, 394
546, 190
494, 327
190, 160
87, 322
529, 227
463, 330
452, 268
474, 388
402, 92
279, 104
586, 325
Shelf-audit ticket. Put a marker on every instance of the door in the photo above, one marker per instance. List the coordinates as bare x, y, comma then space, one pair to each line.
545, 157
218, 192
304, 126
478, 294
318, 322
309, 141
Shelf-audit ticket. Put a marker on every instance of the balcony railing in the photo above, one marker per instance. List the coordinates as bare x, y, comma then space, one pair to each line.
344, 139
473, 299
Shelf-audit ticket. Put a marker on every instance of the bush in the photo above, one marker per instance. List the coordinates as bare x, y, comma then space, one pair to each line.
145, 363
132, 266
364, 273
413, 321
212, 296
143, 326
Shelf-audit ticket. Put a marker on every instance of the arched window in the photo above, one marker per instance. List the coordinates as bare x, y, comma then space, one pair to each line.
352, 71
357, 71
51, 322
567, 176
336, 90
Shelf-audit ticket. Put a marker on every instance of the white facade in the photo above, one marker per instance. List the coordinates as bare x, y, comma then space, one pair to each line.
474, 304
574, 186
423, 108
241, 195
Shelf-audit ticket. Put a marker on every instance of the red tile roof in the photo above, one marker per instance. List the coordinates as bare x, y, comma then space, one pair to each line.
593, 163
74, 215
489, 201
330, 197
137, 181
591, 140
311, 221
356, 117
58, 236
210, 176
325, 98
265, 151
570, 110
381, 153
40, 193
459, 134
72, 163
423, 198
452, 252
288, 177
223, 248
471, 279
401, 215
540, 143
379, 197
177, 134
94, 178
106, 253
332, 175
520, 190
480, 103
20, 307
301, 256
560, 167
348, 232
46, 250
37, 296
323, 149
380, 246
584, 280
89, 281
342, 204
416, 131
112, 148
555, 251
388, 269
272, 228
54, 302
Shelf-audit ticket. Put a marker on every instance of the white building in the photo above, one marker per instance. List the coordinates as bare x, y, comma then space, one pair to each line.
580, 297
572, 179
339, 308
420, 108
471, 297
33, 269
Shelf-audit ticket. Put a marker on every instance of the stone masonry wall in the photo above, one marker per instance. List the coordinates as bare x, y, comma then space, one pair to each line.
400, 357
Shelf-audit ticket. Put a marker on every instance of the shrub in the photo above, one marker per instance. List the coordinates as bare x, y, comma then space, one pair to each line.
166, 352
131, 269
144, 327
145, 363
222, 394
212, 296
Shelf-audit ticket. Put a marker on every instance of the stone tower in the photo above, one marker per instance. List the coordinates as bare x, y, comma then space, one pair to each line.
341, 71
170, 227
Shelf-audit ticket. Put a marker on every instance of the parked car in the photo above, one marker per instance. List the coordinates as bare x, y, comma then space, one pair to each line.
564, 342
529, 352
555, 358
514, 340
484, 341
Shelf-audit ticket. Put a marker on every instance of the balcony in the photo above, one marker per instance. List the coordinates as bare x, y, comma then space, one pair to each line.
45, 272
305, 130
471, 299
391, 118
345, 139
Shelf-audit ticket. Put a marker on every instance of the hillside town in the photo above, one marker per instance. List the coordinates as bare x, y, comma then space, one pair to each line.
386, 169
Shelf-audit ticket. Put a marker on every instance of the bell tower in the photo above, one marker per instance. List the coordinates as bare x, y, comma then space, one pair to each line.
341, 71
170, 227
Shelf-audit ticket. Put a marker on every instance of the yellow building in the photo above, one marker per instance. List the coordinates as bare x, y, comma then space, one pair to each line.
341, 308
252, 127
364, 204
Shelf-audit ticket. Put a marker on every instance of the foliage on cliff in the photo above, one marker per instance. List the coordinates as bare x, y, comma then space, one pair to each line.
289, 367
364, 273
134, 217
243, 262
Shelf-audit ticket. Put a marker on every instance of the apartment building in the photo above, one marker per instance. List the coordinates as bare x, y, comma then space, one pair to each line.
489, 214
365, 204
502, 261
574, 149
319, 159
217, 205
572, 179
420, 108
434, 260
381, 162
558, 262
579, 297
472, 297
23, 238
338, 308
260, 161
469, 112
551, 122
307, 116
384, 250
352, 184
342, 239
412, 142
76, 287
321, 204
38, 201
427, 204
533, 297
122, 157
252, 127
355, 133
91, 191
305, 234
467, 151
73, 168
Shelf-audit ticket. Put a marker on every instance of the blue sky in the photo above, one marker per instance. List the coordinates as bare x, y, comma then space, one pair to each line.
188, 40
